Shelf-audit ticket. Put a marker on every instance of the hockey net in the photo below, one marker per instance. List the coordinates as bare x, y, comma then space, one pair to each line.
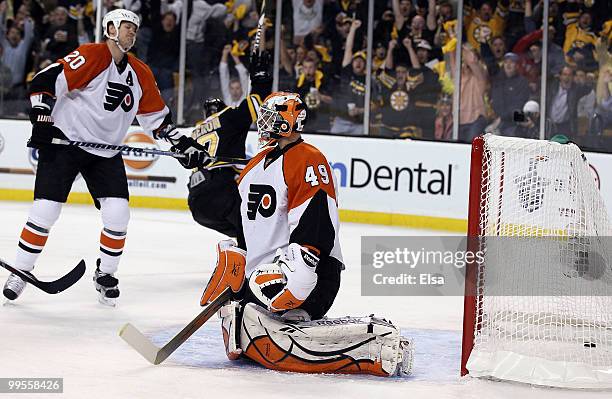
538, 310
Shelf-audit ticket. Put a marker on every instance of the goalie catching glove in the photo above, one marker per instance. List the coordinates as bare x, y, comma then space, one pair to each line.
285, 283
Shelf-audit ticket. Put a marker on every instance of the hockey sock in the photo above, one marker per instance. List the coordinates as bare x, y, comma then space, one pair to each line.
115, 217
43, 215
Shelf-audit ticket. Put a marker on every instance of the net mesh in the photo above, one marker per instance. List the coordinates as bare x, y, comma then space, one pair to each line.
543, 291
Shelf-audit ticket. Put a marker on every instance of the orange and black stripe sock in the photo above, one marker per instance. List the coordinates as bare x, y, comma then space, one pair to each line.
31, 243
111, 248
33, 238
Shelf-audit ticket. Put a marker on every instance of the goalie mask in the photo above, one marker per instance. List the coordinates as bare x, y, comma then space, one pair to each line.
280, 115
116, 17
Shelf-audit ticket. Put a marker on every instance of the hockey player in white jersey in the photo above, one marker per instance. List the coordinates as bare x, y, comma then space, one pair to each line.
93, 94
287, 277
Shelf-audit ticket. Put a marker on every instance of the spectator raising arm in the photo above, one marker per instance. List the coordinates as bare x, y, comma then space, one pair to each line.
82, 34
407, 42
350, 41
400, 20
243, 75
389, 59
529, 21
432, 24
285, 60
224, 75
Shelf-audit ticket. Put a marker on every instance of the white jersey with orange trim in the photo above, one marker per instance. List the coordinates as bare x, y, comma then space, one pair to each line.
97, 100
288, 196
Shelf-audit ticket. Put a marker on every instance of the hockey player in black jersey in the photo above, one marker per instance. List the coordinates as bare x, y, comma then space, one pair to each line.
213, 193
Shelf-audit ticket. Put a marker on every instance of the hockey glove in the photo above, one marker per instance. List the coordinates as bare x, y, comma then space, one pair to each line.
259, 68
196, 154
43, 130
295, 272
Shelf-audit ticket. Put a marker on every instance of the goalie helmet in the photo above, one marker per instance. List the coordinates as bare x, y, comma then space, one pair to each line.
116, 17
280, 115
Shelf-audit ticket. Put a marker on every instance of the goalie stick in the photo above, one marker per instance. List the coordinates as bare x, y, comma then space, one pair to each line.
152, 151
50, 287
155, 355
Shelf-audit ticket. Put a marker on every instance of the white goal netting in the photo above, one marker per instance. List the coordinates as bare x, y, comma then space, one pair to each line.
543, 304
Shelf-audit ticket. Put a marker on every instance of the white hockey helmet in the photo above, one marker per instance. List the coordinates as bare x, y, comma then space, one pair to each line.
280, 115
116, 17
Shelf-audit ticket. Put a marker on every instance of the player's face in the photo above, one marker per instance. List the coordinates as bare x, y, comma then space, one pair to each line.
127, 34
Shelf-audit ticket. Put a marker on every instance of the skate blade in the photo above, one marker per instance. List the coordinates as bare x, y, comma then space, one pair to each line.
110, 302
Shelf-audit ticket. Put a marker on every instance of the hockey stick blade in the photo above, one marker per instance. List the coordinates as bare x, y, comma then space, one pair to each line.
156, 355
50, 287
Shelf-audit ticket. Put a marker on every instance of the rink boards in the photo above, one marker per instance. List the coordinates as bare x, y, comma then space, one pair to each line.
392, 182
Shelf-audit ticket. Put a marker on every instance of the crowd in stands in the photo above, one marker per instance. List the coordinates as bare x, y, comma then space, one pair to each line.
323, 57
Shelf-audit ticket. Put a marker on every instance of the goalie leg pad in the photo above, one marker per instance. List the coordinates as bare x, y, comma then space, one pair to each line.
229, 315
351, 345
229, 271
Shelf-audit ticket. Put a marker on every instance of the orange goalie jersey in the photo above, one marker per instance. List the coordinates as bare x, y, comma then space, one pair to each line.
289, 196
97, 100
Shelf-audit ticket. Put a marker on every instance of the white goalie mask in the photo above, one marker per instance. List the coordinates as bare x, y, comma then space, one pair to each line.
116, 17
280, 115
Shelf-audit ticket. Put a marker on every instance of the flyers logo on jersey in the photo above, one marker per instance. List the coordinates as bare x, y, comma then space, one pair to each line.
118, 94
262, 199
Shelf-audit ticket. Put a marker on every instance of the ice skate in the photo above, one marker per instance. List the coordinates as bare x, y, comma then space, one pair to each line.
107, 285
13, 287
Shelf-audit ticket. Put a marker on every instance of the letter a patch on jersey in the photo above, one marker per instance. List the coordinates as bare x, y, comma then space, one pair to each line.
262, 199
118, 94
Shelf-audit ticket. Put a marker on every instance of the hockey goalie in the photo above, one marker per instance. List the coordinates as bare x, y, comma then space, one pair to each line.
287, 277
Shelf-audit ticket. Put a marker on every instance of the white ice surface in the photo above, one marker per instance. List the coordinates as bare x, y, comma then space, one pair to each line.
167, 261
